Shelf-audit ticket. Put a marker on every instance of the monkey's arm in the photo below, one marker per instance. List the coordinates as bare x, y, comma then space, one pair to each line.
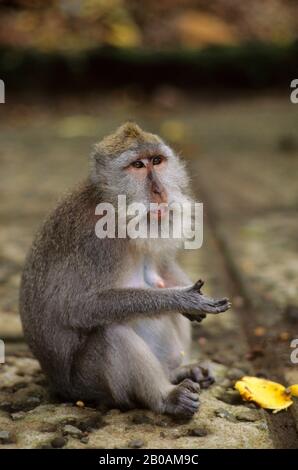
94, 309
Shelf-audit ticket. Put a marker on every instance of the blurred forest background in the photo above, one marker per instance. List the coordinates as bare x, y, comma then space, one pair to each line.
149, 24
86, 43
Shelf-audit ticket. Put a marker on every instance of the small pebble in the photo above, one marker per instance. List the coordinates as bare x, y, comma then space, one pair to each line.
84, 440
141, 419
72, 431
251, 405
248, 415
80, 404
18, 415
197, 432
136, 444
235, 374
232, 397
162, 423
222, 413
262, 426
33, 400
58, 442
48, 427
92, 423
176, 433
6, 437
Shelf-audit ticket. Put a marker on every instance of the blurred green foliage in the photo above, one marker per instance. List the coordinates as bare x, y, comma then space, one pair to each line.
91, 43
76, 25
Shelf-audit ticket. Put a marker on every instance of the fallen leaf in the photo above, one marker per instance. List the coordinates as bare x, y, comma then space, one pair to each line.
293, 390
267, 394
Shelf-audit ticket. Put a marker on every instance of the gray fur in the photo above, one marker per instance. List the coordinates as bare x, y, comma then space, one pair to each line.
100, 329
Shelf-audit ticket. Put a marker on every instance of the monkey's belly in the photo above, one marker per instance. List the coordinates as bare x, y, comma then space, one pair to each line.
163, 339
168, 336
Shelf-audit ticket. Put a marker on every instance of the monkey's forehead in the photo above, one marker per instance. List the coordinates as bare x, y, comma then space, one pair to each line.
142, 151
118, 145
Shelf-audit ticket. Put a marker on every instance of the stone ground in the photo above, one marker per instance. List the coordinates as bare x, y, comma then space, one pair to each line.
243, 157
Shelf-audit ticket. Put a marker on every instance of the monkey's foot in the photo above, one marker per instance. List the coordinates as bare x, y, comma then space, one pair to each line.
195, 372
183, 401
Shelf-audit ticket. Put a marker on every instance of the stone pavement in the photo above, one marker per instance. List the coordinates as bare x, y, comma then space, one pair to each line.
243, 157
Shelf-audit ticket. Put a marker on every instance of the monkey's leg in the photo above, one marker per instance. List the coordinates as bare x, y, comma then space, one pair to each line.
195, 372
132, 375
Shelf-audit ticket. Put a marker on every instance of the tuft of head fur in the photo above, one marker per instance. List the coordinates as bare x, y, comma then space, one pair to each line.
127, 136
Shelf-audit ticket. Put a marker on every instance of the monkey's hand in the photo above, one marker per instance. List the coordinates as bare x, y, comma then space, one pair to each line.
201, 304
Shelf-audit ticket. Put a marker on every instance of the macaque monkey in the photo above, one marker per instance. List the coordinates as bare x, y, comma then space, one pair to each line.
109, 319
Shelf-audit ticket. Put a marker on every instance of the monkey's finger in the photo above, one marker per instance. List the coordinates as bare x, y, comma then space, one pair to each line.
222, 307
193, 396
207, 382
198, 285
222, 301
195, 316
212, 307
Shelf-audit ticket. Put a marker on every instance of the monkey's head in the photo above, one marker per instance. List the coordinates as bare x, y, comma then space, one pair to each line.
140, 166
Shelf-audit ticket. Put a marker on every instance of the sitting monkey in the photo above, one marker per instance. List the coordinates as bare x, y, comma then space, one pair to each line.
108, 318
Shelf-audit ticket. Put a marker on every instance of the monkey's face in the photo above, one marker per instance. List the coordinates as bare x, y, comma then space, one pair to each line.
141, 167
150, 174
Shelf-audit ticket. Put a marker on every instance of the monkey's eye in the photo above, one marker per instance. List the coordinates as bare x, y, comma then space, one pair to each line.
138, 164
157, 160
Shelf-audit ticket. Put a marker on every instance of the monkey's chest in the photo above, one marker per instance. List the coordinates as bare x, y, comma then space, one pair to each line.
135, 277
144, 275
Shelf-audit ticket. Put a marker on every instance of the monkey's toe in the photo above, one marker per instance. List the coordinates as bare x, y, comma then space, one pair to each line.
183, 400
196, 373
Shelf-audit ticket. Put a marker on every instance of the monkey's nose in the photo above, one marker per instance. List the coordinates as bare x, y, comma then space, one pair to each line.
159, 194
